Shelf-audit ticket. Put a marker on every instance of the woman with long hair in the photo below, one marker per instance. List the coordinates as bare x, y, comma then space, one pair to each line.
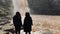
17, 22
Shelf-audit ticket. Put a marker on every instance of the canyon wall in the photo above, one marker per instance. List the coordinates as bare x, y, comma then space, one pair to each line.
47, 7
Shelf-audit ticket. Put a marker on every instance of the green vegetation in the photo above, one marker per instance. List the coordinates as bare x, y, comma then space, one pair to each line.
6, 10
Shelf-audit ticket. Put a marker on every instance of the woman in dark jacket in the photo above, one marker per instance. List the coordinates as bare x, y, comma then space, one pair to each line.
27, 23
17, 22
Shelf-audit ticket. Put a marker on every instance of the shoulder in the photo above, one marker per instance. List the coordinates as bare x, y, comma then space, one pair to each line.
14, 17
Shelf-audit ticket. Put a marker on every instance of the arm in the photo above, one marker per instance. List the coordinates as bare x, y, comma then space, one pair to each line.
31, 21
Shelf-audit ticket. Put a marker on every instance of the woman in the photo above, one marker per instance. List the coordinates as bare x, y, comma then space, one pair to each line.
17, 22
27, 23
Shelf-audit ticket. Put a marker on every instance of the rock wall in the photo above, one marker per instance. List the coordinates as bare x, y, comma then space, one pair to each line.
6, 9
47, 7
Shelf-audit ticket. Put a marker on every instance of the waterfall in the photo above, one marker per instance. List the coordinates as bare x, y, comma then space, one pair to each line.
21, 6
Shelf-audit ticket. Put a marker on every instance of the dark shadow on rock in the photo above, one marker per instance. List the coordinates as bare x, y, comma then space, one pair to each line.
7, 33
0, 28
47, 14
5, 23
10, 30
11, 25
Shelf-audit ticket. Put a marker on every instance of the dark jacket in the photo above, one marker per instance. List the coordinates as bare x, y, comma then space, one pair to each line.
27, 24
17, 22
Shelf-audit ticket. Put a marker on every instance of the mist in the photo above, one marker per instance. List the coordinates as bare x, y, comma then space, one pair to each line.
41, 7
20, 6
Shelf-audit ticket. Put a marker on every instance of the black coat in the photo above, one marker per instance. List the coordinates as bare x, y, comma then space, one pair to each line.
27, 24
17, 22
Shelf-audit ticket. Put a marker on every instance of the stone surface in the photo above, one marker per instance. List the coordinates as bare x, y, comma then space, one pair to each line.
6, 10
42, 24
47, 7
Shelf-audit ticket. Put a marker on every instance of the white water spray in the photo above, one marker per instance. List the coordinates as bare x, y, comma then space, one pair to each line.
21, 6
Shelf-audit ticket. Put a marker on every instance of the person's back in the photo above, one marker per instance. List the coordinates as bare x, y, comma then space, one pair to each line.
17, 22
14, 21
27, 23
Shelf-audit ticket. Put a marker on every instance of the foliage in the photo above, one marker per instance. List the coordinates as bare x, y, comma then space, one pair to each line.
5, 7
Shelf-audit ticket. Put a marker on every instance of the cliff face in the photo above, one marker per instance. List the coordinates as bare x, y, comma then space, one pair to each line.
50, 7
5, 7
20, 5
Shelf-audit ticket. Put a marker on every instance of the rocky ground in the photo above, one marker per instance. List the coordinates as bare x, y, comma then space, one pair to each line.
42, 24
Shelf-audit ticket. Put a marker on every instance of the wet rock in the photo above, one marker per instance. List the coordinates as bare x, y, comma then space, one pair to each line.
10, 30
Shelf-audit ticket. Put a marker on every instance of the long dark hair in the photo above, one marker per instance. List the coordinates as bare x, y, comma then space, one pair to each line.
18, 14
27, 14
